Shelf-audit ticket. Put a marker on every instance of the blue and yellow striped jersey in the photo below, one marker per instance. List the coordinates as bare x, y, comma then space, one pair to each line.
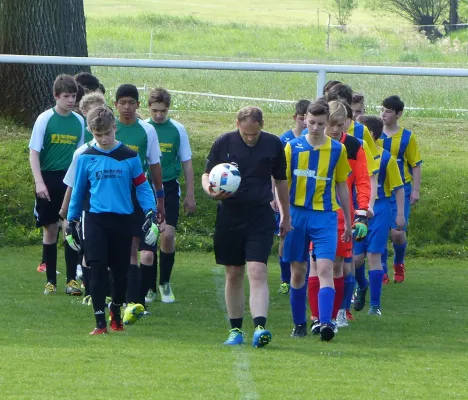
389, 175
402, 145
313, 173
361, 132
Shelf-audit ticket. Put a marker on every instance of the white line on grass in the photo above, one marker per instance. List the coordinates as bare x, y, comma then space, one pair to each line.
241, 367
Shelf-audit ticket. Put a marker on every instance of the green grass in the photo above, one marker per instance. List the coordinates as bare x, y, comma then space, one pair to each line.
417, 350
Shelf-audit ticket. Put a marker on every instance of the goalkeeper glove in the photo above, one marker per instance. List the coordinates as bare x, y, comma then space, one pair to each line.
360, 225
72, 235
151, 229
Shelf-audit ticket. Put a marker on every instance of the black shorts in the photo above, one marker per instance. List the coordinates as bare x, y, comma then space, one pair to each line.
171, 202
108, 238
243, 234
45, 211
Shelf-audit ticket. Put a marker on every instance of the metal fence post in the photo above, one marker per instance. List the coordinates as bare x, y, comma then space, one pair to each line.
151, 44
321, 80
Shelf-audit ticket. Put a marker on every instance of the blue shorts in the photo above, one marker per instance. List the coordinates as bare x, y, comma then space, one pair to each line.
407, 188
319, 227
378, 229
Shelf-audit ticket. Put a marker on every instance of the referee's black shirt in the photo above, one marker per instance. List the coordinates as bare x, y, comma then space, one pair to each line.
257, 164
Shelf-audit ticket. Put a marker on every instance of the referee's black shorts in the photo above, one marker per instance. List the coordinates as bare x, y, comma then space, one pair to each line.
243, 233
45, 211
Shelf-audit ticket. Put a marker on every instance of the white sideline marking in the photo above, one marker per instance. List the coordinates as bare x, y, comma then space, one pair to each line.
241, 366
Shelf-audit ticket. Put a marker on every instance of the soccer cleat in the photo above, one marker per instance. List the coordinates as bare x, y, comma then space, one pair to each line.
116, 322
261, 337
73, 288
133, 312
399, 273
50, 288
349, 316
42, 267
236, 337
375, 310
166, 293
299, 331
335, 326
327, 332
315, 329
341, 319
150, 296
99, 331
284, 288
360, 300
87, 300
385, 279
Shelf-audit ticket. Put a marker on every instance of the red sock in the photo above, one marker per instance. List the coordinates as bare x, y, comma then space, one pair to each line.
313, 287
339, 295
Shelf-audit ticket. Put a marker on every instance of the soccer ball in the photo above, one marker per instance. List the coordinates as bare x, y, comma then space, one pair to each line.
225, 177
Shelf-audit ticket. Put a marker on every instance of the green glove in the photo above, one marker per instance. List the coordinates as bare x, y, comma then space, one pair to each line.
360, 225
72, 236
151, 229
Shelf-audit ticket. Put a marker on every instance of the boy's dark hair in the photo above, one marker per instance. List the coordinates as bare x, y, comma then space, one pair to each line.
80, 93
373, 123
65, 84
88, 81
394, 103
357, 98
349, 110
318, 107
127, 90
340, 92
329, 85
255, 114
102, 88
159, 95
301, 107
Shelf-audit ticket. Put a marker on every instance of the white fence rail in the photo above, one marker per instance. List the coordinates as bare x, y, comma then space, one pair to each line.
319, 69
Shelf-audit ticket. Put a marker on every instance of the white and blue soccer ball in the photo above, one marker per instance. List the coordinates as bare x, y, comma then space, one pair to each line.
225, 177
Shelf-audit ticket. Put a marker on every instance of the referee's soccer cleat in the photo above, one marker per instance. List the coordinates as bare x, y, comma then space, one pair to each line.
261, 337
399, 273
150, 296
299, 330
375, 310
73, 288
166, 293
133, 312
99, 331
236, 337
50, 288
360, 299
284, 288
315, 329
327, 332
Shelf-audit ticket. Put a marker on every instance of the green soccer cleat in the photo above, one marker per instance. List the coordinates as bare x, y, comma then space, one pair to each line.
150, 296
133, 312
166, 293
284, 288
87, 300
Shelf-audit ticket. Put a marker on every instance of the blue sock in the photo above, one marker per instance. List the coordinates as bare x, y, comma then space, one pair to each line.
400, 250
361, 276
383, 259
348, 291
297, 298
326, 297
375, 280
285, 271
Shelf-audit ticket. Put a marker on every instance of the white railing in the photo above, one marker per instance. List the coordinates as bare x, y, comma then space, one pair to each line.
319, 69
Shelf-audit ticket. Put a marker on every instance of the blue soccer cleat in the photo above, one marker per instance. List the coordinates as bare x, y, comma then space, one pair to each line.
235, 338
261, 337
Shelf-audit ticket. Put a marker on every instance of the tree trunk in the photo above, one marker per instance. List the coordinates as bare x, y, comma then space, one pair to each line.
453, 20
37, 27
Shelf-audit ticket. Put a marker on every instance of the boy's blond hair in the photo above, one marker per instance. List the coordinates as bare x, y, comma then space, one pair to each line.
91, 100
101, 119
338, 113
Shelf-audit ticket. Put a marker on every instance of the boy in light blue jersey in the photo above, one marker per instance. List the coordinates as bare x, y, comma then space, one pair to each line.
299, 118
105, 174
375, 243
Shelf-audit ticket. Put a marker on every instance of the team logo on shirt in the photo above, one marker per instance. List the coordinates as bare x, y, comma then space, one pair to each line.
109, 173
57, 138
299, 146
310, 173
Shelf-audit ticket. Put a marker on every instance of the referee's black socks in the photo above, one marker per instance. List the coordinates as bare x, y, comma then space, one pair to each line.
49, 255
166, 261
71, 260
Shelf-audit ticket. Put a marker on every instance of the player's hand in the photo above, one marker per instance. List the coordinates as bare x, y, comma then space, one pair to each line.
370, 212
285, 226
190, 205
151, 229
274, 205
221, 195
360, 225
400, 222
347, 234
72, 235
414, 198
41, 191
160, 211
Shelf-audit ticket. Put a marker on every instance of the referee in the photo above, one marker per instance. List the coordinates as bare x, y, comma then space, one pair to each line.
245, 221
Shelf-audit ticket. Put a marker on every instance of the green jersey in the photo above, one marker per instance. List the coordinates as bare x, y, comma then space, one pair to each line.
142, 138
175, 147
56, 137
88, 136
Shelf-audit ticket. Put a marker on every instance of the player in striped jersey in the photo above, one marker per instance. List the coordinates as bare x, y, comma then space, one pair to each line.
401, 143
373, 246
317, 169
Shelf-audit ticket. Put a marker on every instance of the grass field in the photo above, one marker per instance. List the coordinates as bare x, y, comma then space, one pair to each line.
417, 350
